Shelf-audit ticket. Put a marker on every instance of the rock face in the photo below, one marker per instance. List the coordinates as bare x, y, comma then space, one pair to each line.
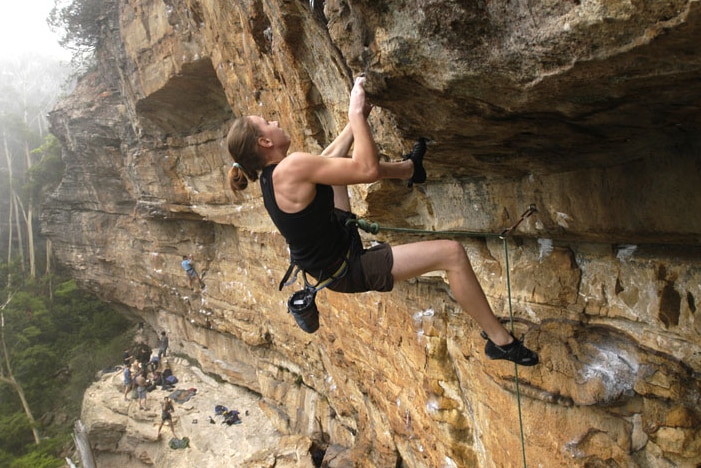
588, 110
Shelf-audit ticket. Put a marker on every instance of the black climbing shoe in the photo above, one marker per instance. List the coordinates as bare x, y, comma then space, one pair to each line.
514, 352
417, 157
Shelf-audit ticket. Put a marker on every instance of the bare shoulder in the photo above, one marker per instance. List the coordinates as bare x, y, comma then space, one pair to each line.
293, 187
299, 158
306, 168
298, 165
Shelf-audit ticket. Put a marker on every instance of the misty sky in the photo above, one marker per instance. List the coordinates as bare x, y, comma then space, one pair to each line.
23, 29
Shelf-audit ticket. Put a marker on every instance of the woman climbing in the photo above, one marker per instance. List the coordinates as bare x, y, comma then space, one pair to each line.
307, 198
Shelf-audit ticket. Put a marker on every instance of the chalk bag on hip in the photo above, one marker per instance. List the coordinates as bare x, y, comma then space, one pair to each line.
302, 306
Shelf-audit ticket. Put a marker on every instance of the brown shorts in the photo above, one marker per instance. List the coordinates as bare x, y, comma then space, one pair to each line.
370, 270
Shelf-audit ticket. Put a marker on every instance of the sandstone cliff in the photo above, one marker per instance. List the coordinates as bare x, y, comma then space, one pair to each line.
588, 109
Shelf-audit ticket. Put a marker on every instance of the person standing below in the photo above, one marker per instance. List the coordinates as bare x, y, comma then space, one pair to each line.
154, 364
127, 357
307, 198
192, 275
128, 382
163, 348
167, 415
141, 385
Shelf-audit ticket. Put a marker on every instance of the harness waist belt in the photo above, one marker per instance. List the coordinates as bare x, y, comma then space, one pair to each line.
294, 270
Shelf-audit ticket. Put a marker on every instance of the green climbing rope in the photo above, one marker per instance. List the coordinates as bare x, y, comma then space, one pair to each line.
374, 228
511, 322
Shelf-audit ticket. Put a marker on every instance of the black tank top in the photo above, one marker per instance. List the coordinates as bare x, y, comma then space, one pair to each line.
316, 237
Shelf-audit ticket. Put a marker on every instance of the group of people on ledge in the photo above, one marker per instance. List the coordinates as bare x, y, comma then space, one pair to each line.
144, 372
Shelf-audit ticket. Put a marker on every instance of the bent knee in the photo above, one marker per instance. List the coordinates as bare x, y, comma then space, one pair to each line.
455, 252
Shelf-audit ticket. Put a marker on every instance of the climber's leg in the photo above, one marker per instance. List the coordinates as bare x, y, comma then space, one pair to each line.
411, 260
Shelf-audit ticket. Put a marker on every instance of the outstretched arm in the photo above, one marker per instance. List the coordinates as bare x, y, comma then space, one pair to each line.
365, 149
339, 149
361, 167
297, 174
341, 145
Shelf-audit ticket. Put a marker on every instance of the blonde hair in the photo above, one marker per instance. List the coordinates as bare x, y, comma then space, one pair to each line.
242, 142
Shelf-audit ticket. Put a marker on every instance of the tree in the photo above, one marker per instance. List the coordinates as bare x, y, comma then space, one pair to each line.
30, 86
80, 24
41, 179
51, 345
11, 196
7, 376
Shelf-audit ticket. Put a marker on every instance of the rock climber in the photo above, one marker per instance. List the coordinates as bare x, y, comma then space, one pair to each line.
307, 198
192, 275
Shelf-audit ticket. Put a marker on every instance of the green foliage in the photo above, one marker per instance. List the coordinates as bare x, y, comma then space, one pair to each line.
56, 344
45, 175
29, 88
79, 24
37, 460
17, 133
35, 367
66, 289
15, 431
44, 455
84, 364
5, 458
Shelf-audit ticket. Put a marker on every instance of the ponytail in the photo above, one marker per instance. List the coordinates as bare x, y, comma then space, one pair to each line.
237, 178
242, 142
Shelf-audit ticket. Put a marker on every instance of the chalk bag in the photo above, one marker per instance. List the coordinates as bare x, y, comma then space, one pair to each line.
302, 306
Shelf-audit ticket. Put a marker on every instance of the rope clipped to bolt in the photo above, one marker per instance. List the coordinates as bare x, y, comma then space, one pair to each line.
374, 228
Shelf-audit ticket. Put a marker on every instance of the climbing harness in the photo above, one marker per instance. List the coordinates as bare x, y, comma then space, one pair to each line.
374, 228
